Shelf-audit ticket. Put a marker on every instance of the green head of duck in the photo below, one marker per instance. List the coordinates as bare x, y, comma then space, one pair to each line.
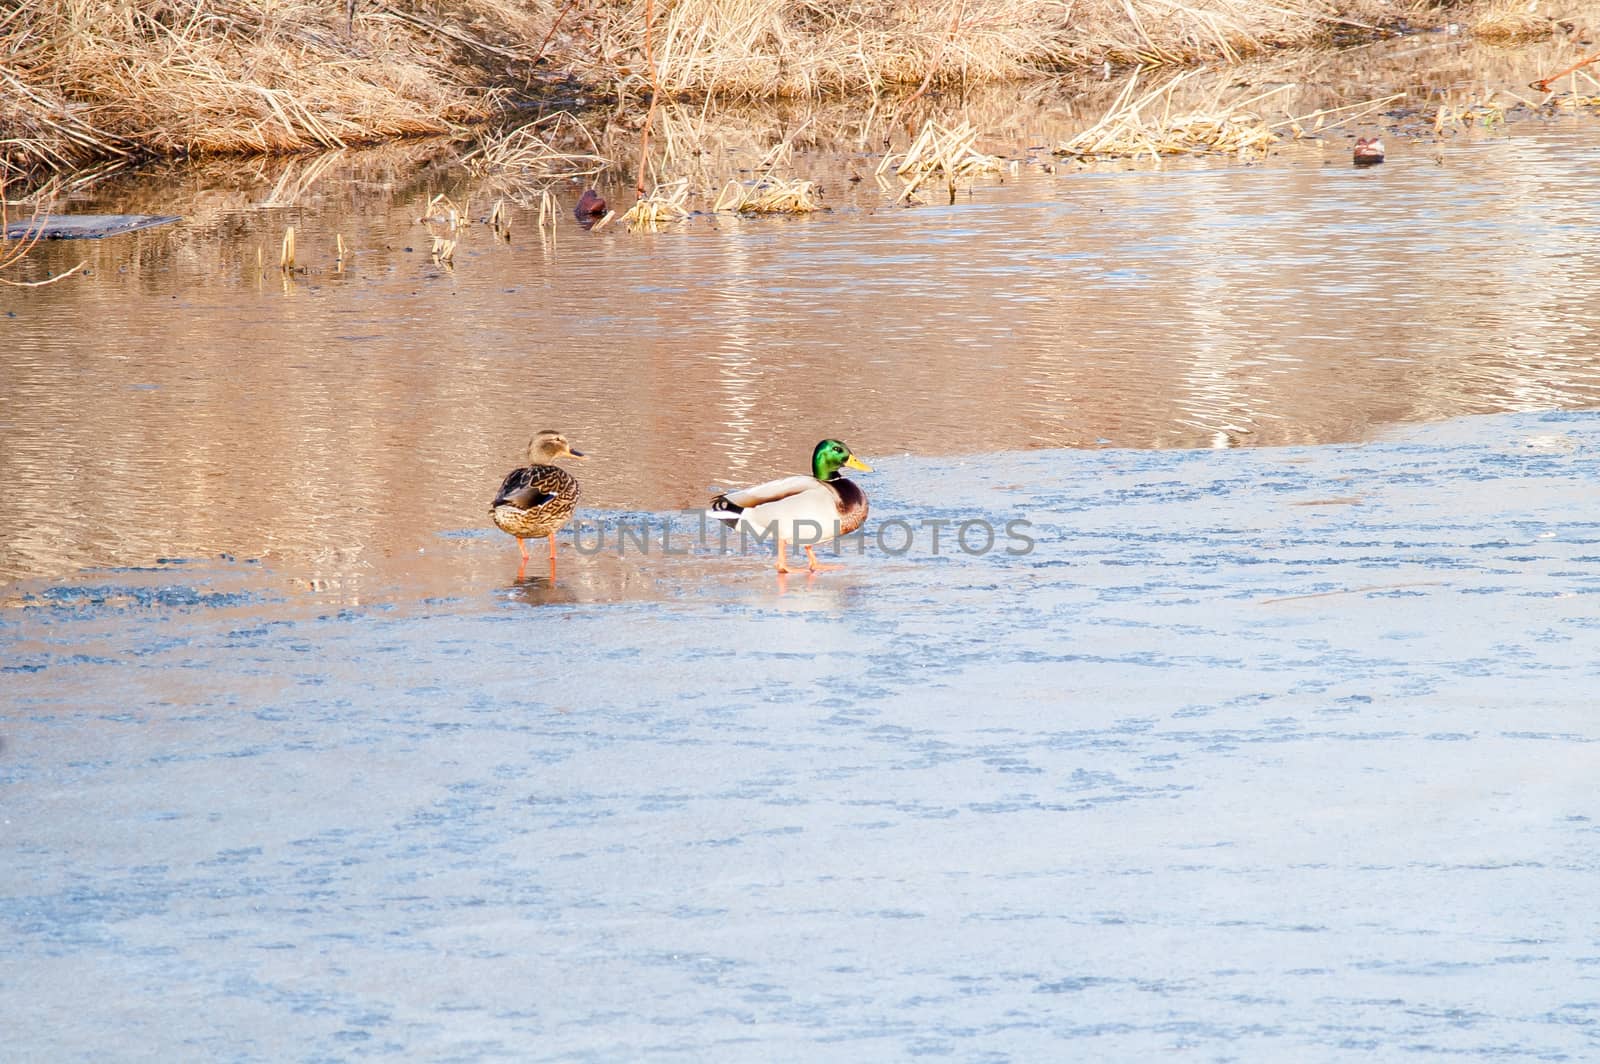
829, 456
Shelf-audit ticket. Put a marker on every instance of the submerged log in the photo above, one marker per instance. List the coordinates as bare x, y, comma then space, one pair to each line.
83, 226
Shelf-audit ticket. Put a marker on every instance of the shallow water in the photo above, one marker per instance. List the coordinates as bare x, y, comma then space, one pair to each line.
183, 401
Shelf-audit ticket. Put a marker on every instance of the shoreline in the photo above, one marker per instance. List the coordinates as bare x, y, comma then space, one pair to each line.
305, 80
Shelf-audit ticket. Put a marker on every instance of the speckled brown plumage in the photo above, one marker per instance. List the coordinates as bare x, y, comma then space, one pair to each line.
535, 501
539, 498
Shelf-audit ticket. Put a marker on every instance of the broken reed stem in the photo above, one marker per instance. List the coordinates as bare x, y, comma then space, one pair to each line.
286, 253
1543, 84
933, 65
538, 55
1319, 115
549, 214
655, 94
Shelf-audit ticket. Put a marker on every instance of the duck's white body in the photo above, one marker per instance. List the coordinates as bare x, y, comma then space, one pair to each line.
799, 510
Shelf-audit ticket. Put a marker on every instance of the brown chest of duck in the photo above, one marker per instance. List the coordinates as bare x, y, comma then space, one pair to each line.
538, 499
1368, 151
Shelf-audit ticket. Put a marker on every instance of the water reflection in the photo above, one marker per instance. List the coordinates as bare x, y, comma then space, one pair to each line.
189, 398
542, 589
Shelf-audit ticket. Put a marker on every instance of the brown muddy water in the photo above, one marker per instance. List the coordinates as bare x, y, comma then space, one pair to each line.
185, 399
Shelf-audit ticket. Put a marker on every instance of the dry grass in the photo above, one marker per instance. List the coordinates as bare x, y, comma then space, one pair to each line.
664, 205
766, 48
524, 161
947, 151
1519, 20
796, 48
86, 80
1149, 125
770, 195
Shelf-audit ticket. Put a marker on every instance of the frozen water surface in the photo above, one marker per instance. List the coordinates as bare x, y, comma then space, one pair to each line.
1276, 754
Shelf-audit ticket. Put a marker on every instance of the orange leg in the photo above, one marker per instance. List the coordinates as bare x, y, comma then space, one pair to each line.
523, 547
552, 539
811, 557
783, 562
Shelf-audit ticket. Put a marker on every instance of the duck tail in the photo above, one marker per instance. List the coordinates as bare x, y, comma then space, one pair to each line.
725, 509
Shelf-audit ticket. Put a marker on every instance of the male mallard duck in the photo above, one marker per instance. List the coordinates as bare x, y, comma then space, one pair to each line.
537, 499
1368, 152
803, 510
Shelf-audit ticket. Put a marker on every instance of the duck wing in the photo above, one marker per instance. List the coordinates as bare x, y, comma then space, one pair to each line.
796, 509
529, 487
773, 491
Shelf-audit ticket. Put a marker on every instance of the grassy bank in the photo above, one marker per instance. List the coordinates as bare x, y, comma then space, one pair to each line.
83, 81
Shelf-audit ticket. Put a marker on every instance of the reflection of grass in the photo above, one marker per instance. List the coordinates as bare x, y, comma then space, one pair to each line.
1185, 116
1149, 125
526, 160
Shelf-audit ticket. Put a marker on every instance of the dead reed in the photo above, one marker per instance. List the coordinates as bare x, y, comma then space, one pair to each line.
947, 151
1152, 125
523, 162
1458, 115
770, 195
665, 204
445, 222
87, 79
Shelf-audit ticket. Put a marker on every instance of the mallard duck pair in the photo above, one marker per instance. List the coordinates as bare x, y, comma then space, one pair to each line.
538, 499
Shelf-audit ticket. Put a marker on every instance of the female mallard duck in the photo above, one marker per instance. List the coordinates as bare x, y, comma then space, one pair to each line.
801, 510
537, 499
